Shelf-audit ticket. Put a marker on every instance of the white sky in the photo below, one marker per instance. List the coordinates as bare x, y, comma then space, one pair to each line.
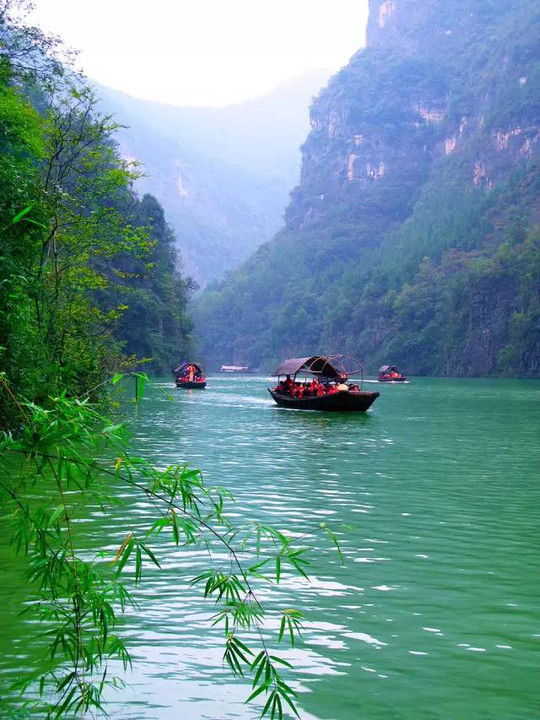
204, 52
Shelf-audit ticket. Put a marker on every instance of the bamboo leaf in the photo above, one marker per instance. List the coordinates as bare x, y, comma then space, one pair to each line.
35, 222
262, 668
291, 632
138, 565
290, 703
281, 628
277, 702
238, 652
257, 660
19, 216
56, 514
335, 541
123, 546
175, 530
277, 659
268, 703
258, 691
238, 642
150, 555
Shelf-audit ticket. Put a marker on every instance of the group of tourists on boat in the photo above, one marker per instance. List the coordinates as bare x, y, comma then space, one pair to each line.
319, 382
391, 373
189, 376
313, 387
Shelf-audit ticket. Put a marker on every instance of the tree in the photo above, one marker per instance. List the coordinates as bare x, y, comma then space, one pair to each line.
75, 237
78, 248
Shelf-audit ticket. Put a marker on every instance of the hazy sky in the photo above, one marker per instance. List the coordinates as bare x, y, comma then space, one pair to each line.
204, 52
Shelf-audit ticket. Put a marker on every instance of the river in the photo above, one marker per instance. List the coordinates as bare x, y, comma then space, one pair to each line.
435, 496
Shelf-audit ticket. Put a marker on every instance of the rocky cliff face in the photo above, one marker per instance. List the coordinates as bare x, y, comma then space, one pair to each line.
410, 100
415, 216
223, 175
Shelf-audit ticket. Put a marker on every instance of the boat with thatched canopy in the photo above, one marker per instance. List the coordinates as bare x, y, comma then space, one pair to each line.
391, 374
321, 382
190, 376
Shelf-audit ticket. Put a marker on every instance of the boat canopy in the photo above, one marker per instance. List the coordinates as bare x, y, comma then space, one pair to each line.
181, 369
329, 366
386, 368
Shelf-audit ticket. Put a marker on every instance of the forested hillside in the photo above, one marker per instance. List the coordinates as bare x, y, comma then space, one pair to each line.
223, 175
413, 235
87, 270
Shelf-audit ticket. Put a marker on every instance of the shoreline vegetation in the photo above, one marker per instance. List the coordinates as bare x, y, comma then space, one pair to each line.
413, 236
88, 286
90, 293
88, 278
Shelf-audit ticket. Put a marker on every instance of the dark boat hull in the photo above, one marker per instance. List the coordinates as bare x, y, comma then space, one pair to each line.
393, 380
342, 401
191, 385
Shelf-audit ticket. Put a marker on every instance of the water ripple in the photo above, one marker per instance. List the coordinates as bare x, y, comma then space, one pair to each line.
435, 500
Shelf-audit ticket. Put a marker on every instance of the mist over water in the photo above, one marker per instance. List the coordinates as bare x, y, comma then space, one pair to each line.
434, 494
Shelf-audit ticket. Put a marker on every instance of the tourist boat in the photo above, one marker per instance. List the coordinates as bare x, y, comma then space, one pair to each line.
391, 374
331, 373
190, 376
234, 368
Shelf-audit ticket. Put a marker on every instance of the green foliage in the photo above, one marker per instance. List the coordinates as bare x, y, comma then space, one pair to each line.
87, 270
50, 475
411, 238
155, 323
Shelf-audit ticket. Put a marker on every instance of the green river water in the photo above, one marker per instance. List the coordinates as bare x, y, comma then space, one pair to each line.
434, 615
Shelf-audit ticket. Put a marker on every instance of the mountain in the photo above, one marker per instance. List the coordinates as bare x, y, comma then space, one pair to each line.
223, 175
413, 235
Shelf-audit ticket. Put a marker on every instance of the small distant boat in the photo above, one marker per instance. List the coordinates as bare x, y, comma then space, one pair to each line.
190, 376
391, 374
327, 388
234, 368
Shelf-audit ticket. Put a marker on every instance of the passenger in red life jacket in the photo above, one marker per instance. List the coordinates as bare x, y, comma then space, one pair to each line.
289, 385
300, 392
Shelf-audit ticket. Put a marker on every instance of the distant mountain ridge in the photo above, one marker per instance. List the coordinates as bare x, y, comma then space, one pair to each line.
413, 236
223, 175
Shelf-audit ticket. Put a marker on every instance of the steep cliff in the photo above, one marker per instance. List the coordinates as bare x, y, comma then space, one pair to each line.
411, 236
223, 175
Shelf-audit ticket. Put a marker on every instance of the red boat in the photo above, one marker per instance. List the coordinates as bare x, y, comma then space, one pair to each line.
323, 384
190, 376
391, 373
